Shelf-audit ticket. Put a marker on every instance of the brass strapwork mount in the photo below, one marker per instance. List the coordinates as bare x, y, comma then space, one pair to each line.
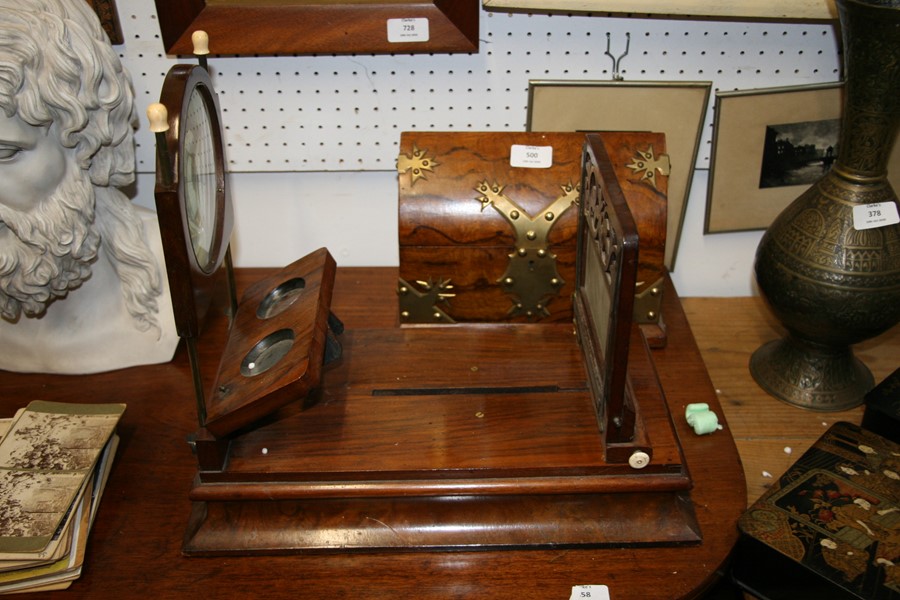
531, 278
420, 304
418, 164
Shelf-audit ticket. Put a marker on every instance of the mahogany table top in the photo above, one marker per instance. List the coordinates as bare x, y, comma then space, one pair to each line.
135, 546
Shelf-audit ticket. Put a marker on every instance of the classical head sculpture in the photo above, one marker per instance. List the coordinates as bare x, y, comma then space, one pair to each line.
77, 266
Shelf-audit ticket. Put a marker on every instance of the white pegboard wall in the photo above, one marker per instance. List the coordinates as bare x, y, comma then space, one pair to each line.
327, 113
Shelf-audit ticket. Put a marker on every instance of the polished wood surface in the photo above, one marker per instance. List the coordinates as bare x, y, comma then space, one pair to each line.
276, 345
476, 437
249, 27
135, 548
770, 434
407, 448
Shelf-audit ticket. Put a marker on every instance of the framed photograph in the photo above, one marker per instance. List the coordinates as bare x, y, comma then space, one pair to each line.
675, 108
759, 9
252, 27
769, 145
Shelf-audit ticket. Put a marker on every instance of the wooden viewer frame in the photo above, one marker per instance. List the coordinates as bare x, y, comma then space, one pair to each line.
675, 108
250, 27
606, 276
279, 333
735, 201
192, 284
194, 294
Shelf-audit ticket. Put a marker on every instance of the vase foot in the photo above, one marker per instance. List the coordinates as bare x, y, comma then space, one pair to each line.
811, 376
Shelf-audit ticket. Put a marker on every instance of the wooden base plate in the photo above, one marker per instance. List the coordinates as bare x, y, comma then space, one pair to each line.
440, 523
446, 437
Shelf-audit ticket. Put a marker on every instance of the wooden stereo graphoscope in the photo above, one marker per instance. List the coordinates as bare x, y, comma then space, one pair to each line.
512, 432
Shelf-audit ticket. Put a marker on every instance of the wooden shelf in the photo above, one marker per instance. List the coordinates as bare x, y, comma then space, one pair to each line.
247, 27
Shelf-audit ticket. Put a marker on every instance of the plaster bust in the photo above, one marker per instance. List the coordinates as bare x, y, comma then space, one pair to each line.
82, 288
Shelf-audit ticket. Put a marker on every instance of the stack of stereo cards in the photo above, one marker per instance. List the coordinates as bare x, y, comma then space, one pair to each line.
54, 462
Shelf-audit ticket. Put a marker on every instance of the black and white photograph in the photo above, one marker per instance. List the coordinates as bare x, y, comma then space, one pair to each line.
798, 153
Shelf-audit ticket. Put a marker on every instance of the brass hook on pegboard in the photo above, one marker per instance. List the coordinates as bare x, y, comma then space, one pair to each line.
616, 61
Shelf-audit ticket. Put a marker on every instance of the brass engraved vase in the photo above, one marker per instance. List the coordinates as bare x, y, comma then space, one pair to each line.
830, 284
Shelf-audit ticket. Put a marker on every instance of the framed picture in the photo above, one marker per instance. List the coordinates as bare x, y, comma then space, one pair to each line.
675, 108
760, 9
769, 145
253, 27
109, 19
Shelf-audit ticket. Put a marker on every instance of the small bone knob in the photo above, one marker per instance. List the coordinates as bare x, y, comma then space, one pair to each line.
159, 118
200, 40
639, 460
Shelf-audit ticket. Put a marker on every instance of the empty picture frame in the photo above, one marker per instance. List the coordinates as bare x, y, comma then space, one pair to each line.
769, 146
674, 108
819, 10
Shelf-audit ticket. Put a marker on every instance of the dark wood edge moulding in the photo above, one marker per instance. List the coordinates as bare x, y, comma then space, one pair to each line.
245, 27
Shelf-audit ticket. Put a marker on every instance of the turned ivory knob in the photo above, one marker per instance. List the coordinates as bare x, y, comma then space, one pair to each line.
200, 40
159, 117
